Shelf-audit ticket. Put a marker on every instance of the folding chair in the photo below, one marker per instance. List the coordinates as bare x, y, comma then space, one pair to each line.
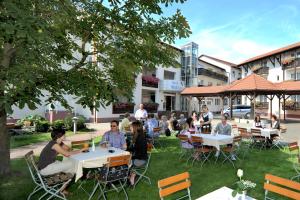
258, 139
155, 138
141, 171
281, 186
296, 166
232, 150
51, 188
278, 141
175, 184
246, 140
293, 146
200, 151
114, 173
186, 147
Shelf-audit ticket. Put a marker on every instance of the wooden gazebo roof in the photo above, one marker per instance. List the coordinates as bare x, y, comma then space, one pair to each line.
252, 84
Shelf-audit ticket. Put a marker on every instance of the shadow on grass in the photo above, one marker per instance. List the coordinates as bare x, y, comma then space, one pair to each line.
165, 162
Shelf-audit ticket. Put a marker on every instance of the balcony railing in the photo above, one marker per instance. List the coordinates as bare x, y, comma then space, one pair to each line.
262, 71
206, 72
150, 81
262, 105
292, 63
171, 85
119, 108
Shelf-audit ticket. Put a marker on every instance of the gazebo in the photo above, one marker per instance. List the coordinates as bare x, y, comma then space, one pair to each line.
250, 86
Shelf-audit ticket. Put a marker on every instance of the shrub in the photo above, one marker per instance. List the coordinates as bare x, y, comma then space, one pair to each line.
58, 124
42, 126
68, 122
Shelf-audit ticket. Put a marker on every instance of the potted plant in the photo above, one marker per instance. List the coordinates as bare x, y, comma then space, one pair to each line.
242, 185
150, 81
119, 108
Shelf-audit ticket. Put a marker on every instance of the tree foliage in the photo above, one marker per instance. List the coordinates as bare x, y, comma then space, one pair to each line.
52, 46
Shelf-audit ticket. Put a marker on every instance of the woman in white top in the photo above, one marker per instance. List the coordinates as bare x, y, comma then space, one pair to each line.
257, 122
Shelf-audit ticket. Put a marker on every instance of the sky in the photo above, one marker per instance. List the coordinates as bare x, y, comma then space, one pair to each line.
235, 30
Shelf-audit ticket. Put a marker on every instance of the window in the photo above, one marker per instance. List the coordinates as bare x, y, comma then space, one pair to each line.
217, 101
225, 102
298, 54
277, 78
169, 75
209, 83
293, 76
233, 74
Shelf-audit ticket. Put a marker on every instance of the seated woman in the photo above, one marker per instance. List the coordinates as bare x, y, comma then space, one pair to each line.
257, 122
164, 125
275, 122
48, 164
138, 148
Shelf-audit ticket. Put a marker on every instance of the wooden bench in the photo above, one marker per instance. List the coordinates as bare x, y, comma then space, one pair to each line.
281, 186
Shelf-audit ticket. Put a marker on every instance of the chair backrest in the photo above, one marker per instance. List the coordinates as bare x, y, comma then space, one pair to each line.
282, 186
34, 172
237, 139
79, 144
195, 139
255, 131
118, 161
174, 184
293, 146
156, 129
183, 138
192, 132
242, 130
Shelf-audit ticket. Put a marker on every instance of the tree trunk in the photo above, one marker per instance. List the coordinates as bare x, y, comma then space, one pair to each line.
4, 144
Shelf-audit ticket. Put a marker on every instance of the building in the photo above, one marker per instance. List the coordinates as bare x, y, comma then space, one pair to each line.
279, 65
212, 71
158, 90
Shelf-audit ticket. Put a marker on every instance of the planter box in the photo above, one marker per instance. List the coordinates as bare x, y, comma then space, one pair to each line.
120, 108
150, 81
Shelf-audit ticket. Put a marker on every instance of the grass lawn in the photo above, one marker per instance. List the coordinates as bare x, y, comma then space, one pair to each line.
164, 163
22, 140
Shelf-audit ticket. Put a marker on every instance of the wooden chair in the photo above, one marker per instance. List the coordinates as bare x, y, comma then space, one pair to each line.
79, 144
258, 139
293, 146
115, 174
186, 147
200, 151
232, 150
173, 184
281, 186
296, 166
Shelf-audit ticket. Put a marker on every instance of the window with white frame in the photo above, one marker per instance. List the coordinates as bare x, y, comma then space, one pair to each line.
217, 101
293, 76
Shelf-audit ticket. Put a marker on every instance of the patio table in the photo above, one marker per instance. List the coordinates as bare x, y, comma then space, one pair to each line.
213, 140
265, 132
223, 193
94, 159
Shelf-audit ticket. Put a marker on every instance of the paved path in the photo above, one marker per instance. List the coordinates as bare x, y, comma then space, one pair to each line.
37, 147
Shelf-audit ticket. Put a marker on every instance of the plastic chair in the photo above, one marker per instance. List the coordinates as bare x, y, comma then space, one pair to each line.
281, 186
114, 173
173, 184
53, 189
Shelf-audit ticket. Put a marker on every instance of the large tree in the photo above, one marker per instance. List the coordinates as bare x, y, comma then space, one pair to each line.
46, 50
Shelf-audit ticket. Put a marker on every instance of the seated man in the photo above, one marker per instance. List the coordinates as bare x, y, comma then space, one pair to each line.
223, 127
150, 124
114, 137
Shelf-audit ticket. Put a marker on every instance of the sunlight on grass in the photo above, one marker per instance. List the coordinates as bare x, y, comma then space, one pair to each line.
164, 163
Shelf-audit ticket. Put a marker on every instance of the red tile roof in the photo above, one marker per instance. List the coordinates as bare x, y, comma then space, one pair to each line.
204, 91
219, 60
251, 83
274, 52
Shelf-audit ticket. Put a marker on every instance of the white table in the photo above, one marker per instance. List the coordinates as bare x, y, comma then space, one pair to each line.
93, 159
223, 193
265, 132
213, 140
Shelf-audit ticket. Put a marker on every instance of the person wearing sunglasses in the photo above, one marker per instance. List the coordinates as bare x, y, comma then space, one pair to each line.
114, 137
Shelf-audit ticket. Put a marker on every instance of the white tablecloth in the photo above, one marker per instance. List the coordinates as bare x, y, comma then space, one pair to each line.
93, 159
214, 140
266, 132
223, 193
